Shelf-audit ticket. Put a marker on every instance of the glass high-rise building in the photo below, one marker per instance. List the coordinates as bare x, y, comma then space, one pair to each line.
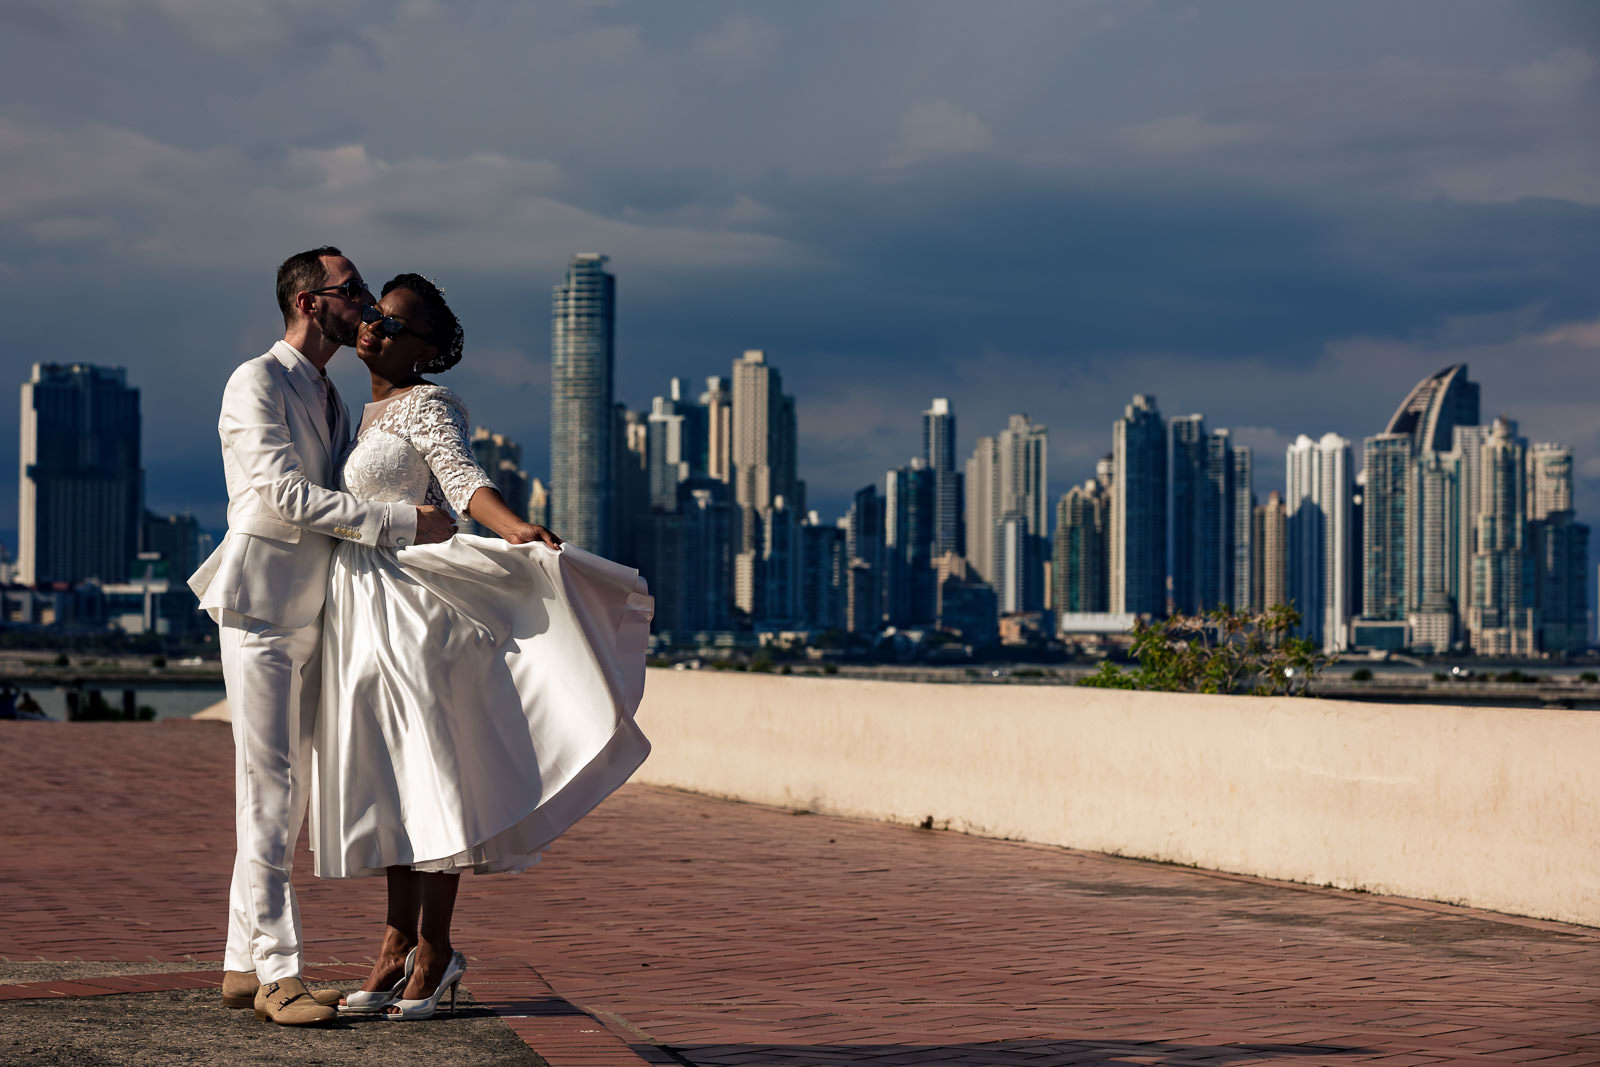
81, 490
1241, 503
1387, 461
1190, 515
1079, 571
1415, 541
1024, 509
1439, 403
939, 450
1503, 616
1433, 542
582, 367
1138, 565
501, 459
910, 521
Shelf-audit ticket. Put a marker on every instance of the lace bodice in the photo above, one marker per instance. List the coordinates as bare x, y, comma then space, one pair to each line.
416, 452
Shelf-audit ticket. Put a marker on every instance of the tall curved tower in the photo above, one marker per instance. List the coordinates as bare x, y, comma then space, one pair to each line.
1434, 408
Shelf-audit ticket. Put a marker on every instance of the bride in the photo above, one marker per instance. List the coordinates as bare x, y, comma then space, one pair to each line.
477, 695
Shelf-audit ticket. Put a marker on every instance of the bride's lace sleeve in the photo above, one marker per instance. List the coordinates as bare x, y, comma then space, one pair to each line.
439, 432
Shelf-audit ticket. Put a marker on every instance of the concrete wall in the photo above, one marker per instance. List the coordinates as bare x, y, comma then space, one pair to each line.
1489, 807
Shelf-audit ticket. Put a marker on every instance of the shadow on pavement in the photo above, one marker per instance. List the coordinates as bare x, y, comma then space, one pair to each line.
190, 1027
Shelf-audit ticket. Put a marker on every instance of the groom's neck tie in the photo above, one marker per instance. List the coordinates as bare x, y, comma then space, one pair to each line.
330, 406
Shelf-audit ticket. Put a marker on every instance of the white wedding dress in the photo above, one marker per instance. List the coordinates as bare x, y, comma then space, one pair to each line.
477, 697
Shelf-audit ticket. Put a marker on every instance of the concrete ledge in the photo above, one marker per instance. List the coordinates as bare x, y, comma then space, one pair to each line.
1495, 808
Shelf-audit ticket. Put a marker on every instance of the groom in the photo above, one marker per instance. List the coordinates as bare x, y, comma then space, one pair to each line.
283, 429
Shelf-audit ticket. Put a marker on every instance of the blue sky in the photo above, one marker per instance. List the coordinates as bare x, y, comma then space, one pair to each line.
1280, 214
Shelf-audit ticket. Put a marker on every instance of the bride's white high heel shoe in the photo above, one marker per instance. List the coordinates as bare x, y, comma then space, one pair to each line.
424, 1008
364, 1003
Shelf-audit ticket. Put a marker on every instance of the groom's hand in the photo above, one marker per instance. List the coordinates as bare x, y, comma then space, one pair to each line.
434, 526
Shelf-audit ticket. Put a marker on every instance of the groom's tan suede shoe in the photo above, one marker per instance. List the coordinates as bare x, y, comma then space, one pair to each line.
239, 991
288, 1002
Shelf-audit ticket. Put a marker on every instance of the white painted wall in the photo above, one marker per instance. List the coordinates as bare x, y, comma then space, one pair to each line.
1495, 808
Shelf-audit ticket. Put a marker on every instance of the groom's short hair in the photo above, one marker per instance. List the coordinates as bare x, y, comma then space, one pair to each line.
300, 272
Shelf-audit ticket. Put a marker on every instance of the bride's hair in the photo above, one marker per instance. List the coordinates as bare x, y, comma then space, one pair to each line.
444, 331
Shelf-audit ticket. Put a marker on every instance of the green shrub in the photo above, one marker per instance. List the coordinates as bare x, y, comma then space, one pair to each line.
1222, 651
1364, 674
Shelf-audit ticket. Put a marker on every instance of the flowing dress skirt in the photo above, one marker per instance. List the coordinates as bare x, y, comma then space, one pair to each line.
477, 700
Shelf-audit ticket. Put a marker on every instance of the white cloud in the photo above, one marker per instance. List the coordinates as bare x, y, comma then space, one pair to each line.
1181, 135
165, 204
1557, 76
1580, 334
939, 128
735, 47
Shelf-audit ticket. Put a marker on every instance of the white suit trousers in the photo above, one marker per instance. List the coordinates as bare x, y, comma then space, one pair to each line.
272, 675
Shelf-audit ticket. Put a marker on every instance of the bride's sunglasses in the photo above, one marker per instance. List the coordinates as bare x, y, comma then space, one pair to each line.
388, 324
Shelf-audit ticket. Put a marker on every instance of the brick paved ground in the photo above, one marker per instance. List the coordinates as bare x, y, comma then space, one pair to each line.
670, 928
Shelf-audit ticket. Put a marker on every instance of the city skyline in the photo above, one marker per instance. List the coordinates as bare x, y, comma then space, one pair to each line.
1471, 546
1311, 208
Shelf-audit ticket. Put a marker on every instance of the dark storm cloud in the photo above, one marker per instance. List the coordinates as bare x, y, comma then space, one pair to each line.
1279, 214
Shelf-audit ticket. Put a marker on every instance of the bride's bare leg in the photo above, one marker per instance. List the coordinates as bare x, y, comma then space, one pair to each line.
438, 898
399, 930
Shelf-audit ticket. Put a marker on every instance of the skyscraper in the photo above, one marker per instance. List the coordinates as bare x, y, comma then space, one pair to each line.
1024, 508
864, 554
81, 490
1242, 503
1560, 548
823, 575
1138, 553
1560, 563
1317, 511
1503, 618
1466, 456
501, 459
1413, 548
1433, 539
667, 451
1387, 461
1427, 417
762, 453
910, 521
1270, 586
717, 402
706, 514
583, 315
1191, 515
1080, 573
983, 509
1549, 480
630, 484
939, 450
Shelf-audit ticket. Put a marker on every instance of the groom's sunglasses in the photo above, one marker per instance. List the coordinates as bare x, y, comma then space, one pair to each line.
391, 327
350, 290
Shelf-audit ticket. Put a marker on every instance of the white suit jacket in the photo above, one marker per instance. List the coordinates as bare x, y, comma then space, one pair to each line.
279, 459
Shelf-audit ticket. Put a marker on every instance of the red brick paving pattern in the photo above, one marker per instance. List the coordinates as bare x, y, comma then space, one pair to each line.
670, 928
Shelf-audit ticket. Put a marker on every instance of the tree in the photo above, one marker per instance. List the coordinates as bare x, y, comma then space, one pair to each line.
1222, 651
